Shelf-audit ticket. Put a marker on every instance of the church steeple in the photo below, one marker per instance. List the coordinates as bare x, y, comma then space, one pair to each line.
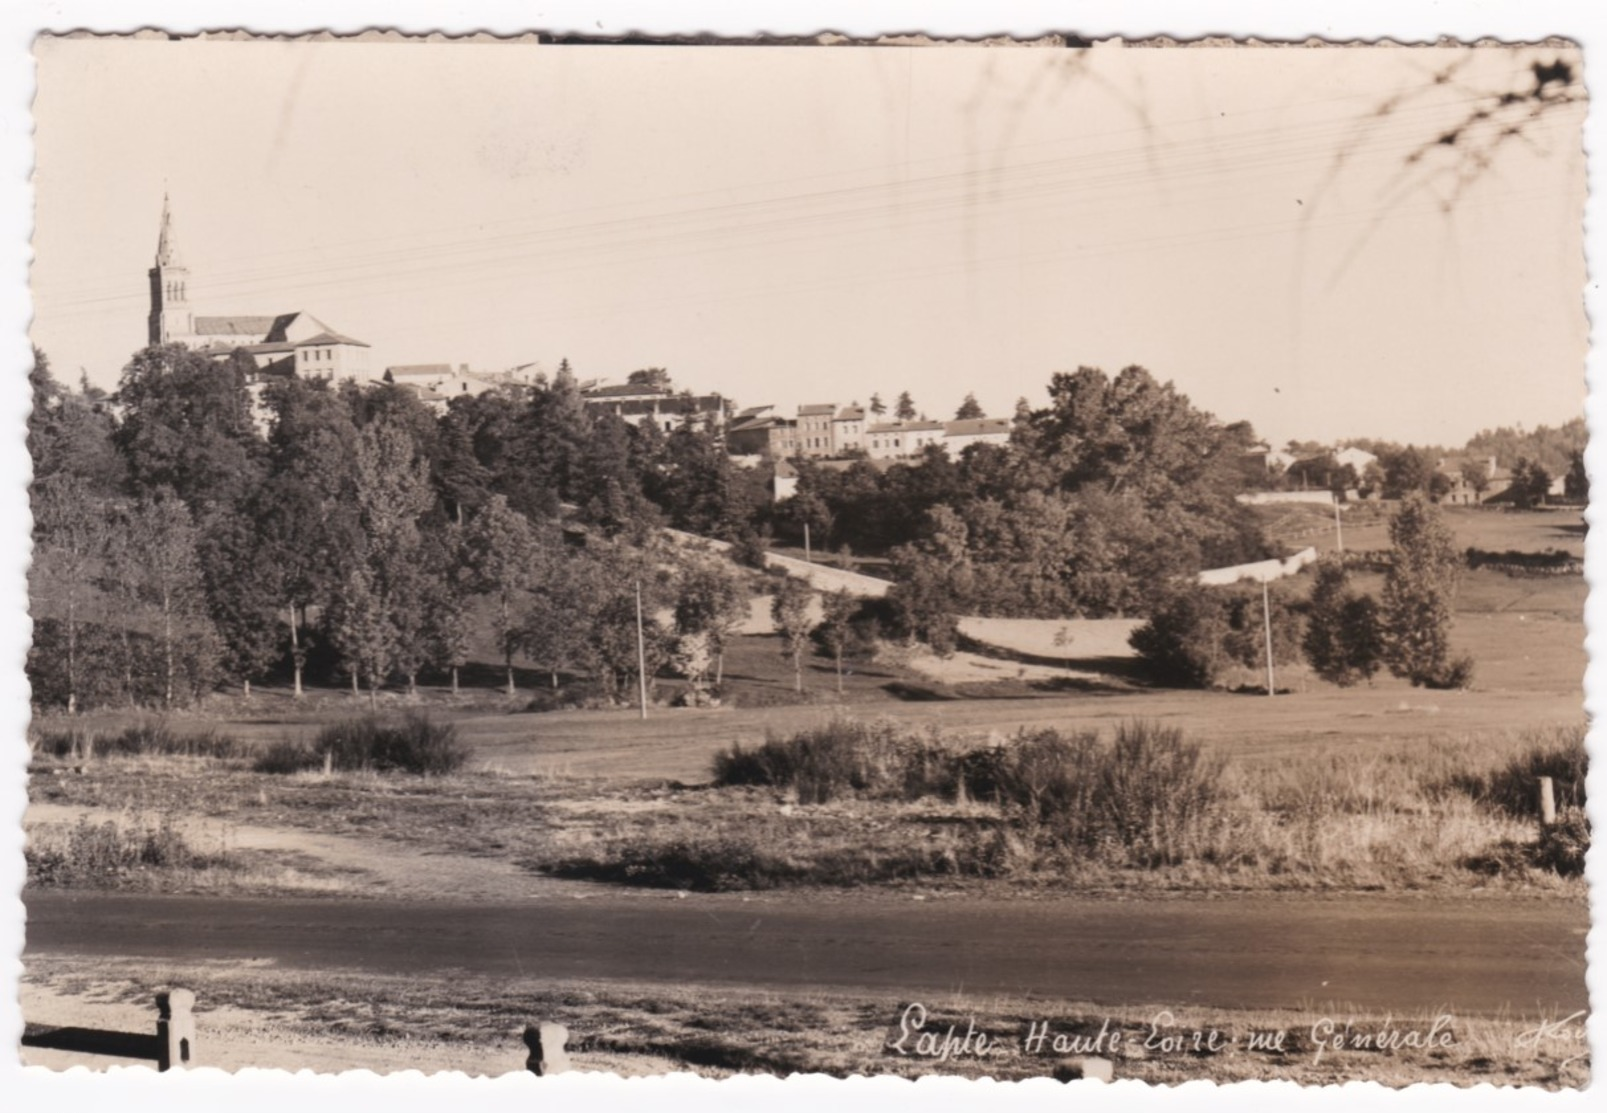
169, 318
167, 252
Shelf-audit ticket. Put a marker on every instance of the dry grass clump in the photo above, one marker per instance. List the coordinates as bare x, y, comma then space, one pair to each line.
1087, 809
108, 854
413, 744
151, 738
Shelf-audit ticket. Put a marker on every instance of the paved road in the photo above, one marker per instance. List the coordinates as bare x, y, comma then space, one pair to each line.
1406, 955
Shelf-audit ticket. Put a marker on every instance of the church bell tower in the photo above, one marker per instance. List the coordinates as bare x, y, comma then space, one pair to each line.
170, 318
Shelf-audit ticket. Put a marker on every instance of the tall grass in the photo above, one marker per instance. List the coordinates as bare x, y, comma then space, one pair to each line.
87, 854
413, 744
153, 738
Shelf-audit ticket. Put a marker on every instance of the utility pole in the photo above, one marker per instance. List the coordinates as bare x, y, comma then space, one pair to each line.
1266, 617
1339, 530
641, 656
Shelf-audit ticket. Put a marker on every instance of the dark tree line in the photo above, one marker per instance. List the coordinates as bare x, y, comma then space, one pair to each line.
199, 527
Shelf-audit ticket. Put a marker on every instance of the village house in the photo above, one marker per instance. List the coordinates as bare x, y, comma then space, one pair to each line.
815, 430
892, 439
963, 433
760, 432
1472, 480
635, 403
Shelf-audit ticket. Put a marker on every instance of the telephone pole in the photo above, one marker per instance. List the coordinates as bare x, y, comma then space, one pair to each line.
641, 656
1266, 618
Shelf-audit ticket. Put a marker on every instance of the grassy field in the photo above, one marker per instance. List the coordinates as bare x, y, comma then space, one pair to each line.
1325, 791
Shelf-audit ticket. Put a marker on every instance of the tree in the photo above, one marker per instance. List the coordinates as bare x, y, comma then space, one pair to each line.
1531, 483
500, 545
789, 609
1476, 474
159, 568
877, 406
71, 432
970, 408
69, 536
361, 632
187, 426
1182, 643
836, 627
1342, 640
904, 408
1418, 594
711, 600
1576, 484
655, 377
1407, 471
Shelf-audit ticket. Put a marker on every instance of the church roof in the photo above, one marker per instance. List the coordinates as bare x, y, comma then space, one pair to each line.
242, 326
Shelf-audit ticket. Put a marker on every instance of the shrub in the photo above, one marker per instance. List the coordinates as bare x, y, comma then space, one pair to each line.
827, 761
413, 745
1182, 643
1158, 791
286, 757
1455, 673
1558, 753
1563, 844
87, 854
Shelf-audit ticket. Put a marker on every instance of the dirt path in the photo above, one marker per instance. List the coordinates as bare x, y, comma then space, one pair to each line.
367, 867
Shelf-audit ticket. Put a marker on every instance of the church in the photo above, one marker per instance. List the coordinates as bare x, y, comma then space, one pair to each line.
281, 344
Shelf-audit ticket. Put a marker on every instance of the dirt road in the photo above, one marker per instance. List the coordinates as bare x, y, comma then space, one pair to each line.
1468, 956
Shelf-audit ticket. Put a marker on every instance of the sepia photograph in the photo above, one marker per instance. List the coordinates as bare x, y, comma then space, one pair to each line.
1050, 557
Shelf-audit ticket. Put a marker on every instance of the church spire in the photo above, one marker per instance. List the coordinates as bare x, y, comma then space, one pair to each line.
169, 318
167, 251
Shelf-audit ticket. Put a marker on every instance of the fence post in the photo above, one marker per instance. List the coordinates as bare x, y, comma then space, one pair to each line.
1548, 803
546, 1043
175, 1028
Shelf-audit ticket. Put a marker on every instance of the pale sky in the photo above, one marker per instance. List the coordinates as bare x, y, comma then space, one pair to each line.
788, 225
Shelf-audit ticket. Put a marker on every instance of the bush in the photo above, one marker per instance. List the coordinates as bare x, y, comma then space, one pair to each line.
413, 745
1158, 792
1182, 643
285, 757
88, 854
825, 762
1455, 673
1558, 753
1563, 844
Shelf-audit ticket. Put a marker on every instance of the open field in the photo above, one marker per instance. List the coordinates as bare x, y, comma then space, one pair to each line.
1330, 795
1366, 526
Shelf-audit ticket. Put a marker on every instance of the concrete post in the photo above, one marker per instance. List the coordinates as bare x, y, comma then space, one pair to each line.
546, 1043
1090, 1066
175, 1029
1548, 803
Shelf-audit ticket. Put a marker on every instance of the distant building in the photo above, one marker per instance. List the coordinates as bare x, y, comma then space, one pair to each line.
635, 403
963, 433
848, 430
1472, 480
438, 383
893, 439
763, 434
815, 430
280, 344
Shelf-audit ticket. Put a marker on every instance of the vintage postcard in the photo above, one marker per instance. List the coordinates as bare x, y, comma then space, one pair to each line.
1057, 558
